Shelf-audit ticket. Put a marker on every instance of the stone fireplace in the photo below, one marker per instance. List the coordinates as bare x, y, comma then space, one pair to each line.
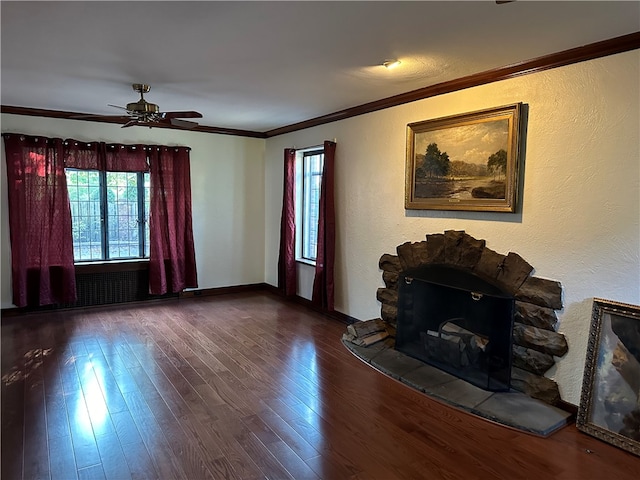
511, 340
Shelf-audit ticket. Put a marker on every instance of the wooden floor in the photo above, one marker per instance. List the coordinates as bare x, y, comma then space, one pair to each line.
243, 386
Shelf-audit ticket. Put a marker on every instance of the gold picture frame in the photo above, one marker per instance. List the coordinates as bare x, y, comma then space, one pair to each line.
465, 162
610, 402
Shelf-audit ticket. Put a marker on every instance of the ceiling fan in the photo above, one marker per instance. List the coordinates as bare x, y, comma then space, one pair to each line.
147, 114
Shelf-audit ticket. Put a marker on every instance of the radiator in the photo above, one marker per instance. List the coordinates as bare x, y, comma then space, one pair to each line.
103, 288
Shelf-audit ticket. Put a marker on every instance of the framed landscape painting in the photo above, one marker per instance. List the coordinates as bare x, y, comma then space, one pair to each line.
610, 402
464, 162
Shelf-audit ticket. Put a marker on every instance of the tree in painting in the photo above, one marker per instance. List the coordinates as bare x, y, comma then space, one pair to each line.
497, 163
436, 163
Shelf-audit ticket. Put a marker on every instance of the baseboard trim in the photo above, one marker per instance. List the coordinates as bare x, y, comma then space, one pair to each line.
205, 292
341, 317
21, 311
209, 292
568, 407
8, 314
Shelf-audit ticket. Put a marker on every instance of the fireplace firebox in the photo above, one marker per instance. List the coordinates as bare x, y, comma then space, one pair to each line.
458, 322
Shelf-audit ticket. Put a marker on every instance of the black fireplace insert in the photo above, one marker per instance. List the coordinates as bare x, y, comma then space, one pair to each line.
458, 322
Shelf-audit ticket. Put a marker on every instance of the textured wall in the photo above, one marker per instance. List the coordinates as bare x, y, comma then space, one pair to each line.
227, 182
580, 218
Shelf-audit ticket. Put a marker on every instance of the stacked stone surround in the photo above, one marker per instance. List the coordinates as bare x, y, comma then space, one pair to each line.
536, 341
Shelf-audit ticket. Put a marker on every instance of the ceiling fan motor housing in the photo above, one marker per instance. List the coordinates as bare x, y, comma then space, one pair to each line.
143, 109
142, 106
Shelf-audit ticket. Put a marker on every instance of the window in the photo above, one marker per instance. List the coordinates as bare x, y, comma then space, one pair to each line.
110, 212
309, 165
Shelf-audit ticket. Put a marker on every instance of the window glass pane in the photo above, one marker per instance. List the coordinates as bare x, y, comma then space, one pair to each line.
122, 200
147, 209
122, 217
312, 177
84, 199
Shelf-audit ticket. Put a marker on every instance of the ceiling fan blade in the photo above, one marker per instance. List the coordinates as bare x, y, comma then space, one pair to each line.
176, 122
116, 106
88, 116
145, 114
186, 114
132, 123
99, 118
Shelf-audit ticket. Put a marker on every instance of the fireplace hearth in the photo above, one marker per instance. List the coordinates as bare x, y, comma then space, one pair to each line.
463, 266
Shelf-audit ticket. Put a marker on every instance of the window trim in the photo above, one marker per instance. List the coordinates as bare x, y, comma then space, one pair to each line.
300, 193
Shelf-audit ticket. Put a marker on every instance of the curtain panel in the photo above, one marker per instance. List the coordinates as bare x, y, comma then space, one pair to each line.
40, 220
42, 263
287, 280
172, 264
323, 284
109, 157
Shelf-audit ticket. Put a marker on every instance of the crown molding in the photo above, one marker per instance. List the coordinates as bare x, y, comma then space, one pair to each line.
60, 114
567, 57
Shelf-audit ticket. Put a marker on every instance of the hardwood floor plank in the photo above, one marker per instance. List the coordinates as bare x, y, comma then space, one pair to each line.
243, 465
164, 462
62, 459
244, 387
288, 434
268, 464
308, 427
329, 465
94, 472
56, 414
101, 420
206, 444
123, 378
68, 375
255, 425
125, 428
139, 462
12, 438
80, 427
196, 460
294, 465
107, 383
114, 463
358, 443
137, 405
36, 457
221, 386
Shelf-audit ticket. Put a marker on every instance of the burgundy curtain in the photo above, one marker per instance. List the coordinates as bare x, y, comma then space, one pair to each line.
172, 263
42, 266
287, 281
323, 286
125, 158
110, 157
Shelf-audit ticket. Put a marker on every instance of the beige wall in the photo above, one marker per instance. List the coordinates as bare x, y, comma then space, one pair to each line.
580, 218
227, 181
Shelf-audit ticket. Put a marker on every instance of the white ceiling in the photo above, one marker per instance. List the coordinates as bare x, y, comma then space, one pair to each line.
263, 65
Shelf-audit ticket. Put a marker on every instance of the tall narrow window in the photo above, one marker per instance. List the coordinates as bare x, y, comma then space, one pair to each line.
309, 166
110, 213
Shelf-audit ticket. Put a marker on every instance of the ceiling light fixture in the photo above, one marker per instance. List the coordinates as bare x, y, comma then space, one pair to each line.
390, 64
